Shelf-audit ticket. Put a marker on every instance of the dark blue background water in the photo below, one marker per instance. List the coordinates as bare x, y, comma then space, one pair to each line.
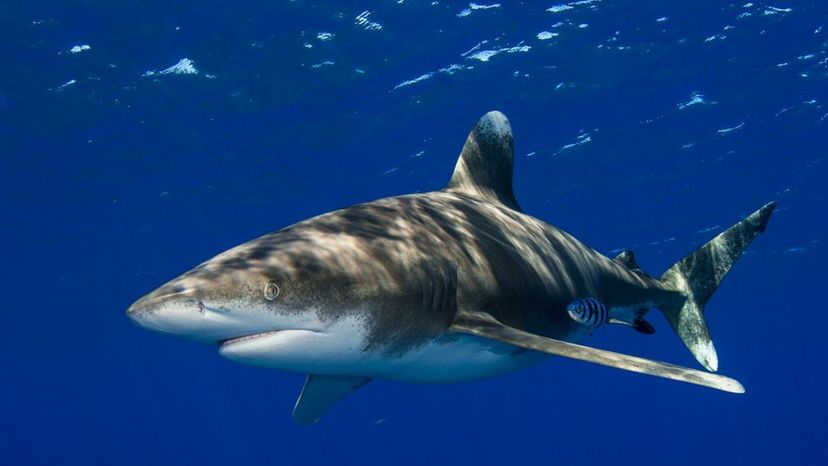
117, 182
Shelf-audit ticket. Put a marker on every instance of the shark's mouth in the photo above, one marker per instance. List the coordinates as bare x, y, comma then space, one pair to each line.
290, 349
223, 344
252, 336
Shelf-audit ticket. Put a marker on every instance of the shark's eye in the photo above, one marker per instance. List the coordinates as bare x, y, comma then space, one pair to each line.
271, 291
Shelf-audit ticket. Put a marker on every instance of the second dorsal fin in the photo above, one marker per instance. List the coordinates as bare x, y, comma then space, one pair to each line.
627, 258
484, 169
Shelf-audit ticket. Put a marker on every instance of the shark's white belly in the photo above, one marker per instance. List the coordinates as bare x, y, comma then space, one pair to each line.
458, 358
339, 349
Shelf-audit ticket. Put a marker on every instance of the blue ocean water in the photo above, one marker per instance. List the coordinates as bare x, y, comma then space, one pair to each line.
141, 138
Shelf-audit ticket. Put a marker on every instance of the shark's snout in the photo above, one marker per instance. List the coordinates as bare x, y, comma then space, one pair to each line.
157, 300
174, 310
205, 310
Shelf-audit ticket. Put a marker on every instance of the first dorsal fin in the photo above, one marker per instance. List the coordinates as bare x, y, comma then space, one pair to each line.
484, 169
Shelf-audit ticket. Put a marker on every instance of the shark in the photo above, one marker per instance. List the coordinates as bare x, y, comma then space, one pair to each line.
447, 286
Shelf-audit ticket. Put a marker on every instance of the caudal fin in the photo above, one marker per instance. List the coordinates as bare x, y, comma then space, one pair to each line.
697, 277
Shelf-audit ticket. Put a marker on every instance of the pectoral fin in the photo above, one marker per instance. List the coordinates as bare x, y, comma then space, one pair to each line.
320, 393
484, 325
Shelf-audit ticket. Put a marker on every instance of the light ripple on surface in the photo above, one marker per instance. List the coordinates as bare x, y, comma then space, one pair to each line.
184, 66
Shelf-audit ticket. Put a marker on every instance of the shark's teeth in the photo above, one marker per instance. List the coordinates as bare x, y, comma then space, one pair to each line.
256, 336
231, 341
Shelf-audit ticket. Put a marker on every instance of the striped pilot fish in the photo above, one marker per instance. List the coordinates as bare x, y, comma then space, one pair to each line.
592, 313
588, 311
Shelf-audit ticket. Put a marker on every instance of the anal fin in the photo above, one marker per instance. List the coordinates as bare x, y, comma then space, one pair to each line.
638, 324
484, 325
320, 393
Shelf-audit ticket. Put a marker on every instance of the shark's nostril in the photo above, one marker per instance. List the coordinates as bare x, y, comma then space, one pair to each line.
168, 297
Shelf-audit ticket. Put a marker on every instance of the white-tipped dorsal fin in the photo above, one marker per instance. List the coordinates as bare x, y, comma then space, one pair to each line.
484, 169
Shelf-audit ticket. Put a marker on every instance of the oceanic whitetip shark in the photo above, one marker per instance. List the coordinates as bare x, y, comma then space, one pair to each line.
446, 286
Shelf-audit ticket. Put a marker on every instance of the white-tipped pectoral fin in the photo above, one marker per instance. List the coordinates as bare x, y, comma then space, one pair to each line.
484, 325
320, 393
706, 354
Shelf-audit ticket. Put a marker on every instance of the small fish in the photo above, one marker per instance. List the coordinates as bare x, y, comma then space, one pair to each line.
588, 311
592, 313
